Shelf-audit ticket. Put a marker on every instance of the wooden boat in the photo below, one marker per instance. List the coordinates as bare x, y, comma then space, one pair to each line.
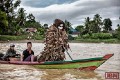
82, 64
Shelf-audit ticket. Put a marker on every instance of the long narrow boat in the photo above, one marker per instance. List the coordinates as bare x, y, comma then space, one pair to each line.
82, 64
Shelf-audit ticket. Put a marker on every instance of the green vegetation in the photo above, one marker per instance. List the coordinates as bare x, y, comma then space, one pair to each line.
97, 40
12, 38
96, 30
13, 20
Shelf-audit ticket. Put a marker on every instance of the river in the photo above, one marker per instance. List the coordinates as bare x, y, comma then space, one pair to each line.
78, 51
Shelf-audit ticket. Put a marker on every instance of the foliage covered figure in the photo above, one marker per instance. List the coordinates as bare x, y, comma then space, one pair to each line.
56, 42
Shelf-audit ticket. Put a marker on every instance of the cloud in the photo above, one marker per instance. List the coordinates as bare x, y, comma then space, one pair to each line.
44, 3
74, 11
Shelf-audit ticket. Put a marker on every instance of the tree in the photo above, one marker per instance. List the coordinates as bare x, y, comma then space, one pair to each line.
45, 26
80, 28
118, 31
118, 28
3, 22
31, 22
87, 23
107, 25
68, 26
8, 6
87, 26
41, 31
21, 17
98, 22
93, 28
31, 18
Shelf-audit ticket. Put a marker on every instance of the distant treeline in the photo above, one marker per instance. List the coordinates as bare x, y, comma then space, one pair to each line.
13, 19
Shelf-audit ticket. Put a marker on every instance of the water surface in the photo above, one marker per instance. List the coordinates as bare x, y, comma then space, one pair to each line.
78, 51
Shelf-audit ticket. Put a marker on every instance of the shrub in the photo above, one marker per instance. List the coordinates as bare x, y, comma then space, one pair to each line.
70, 37
9, 37
38, 37
101, 36
86, 36
118, 35
114, 35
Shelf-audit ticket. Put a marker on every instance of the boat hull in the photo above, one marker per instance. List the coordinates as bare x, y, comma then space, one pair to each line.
77, 65
82, 64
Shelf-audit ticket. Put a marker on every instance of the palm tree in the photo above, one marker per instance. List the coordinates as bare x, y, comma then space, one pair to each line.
98, 22
87, 24
21, 18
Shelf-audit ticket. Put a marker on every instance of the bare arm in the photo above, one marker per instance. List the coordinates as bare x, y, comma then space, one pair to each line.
21, 58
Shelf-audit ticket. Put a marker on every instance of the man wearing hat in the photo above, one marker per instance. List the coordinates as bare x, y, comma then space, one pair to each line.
10, 52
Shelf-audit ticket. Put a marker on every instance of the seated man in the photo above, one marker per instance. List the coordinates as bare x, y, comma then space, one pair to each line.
1, 55
11, 52
28, 53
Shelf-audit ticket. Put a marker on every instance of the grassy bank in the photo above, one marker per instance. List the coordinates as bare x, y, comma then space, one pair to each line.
38, 38
12, 38
96, 40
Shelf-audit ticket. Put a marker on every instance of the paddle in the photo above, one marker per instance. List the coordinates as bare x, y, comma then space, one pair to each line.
69, 54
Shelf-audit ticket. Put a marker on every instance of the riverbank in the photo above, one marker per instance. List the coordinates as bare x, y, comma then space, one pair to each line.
114, 41
23, 41
40, 39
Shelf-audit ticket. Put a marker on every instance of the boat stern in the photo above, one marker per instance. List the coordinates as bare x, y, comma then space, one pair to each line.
107, 56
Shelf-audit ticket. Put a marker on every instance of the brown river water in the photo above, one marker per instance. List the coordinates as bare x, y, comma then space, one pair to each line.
79, 51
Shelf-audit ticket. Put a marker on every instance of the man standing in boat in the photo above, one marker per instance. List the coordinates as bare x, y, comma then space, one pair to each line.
56, 42
28, 54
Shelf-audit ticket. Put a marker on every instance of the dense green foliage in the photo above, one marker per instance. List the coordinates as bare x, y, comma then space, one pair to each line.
12, 38
101, 36
3, 22
13, 20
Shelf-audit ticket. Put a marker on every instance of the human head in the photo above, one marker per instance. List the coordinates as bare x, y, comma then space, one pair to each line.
29, 45
59, 24
12, 46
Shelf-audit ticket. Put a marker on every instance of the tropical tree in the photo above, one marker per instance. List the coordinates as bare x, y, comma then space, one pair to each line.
31, 18
107, 25
118, 31
87, 23
21, 17
68, 25
80, 28
8, 6
98, 22
3, 22
93, 28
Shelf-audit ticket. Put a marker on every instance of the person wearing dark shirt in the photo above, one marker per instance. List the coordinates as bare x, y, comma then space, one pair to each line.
28, 54
10, 53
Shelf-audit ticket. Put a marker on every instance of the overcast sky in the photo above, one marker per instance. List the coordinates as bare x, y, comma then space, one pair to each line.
75, 11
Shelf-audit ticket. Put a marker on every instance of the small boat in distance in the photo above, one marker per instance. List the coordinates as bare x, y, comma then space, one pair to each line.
82, 64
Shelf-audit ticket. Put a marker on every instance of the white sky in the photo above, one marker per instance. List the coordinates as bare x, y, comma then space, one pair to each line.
75, 11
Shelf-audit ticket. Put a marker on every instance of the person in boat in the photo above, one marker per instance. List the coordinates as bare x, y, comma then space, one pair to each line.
56, 42
11, 52
28, 54
1, 55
